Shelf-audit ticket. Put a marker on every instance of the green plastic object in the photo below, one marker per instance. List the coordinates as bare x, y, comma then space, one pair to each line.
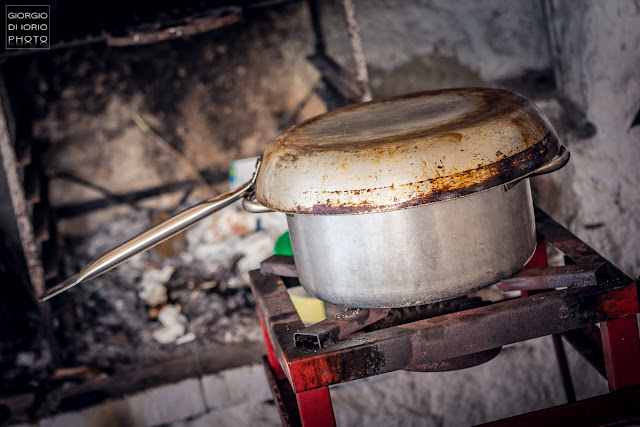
283, 245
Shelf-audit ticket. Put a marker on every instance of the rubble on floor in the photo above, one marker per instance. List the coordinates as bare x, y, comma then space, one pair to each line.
524, 377
154, 306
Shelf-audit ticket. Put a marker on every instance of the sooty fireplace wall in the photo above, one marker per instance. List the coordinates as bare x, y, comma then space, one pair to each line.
115, 134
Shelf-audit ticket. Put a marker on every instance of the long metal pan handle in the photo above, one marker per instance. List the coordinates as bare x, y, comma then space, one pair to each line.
154, 236
558, 162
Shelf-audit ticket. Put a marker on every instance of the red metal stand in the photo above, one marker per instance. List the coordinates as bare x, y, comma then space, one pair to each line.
621, 352
595, 292
272, 358
539, 258
314, 407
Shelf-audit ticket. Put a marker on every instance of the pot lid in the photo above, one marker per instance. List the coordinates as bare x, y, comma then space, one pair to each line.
405, 151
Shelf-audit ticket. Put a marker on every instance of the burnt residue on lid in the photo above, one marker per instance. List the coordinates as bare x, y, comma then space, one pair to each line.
405, 151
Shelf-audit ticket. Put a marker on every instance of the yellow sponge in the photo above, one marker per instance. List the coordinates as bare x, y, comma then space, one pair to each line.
310, 309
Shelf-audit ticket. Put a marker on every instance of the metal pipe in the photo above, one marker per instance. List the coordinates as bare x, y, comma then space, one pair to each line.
362, 76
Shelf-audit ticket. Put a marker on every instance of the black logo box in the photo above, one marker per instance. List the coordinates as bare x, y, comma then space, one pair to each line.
27, 27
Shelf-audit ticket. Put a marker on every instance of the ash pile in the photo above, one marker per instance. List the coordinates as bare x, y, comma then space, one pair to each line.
188, 292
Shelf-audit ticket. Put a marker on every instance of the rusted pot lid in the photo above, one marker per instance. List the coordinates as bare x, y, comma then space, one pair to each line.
405, 151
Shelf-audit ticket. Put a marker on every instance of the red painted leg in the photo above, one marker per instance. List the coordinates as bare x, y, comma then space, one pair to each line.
538, 260
621, 348
272, 357
316, 408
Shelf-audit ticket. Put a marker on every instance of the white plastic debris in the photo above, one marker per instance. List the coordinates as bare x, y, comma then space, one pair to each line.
154, 291
217, 253
254, 248
186, 338
221, 226
232, 231
173, 324
25, 358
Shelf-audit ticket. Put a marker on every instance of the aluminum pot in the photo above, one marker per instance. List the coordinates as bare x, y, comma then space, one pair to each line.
418, 255
411, 200
396, 202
